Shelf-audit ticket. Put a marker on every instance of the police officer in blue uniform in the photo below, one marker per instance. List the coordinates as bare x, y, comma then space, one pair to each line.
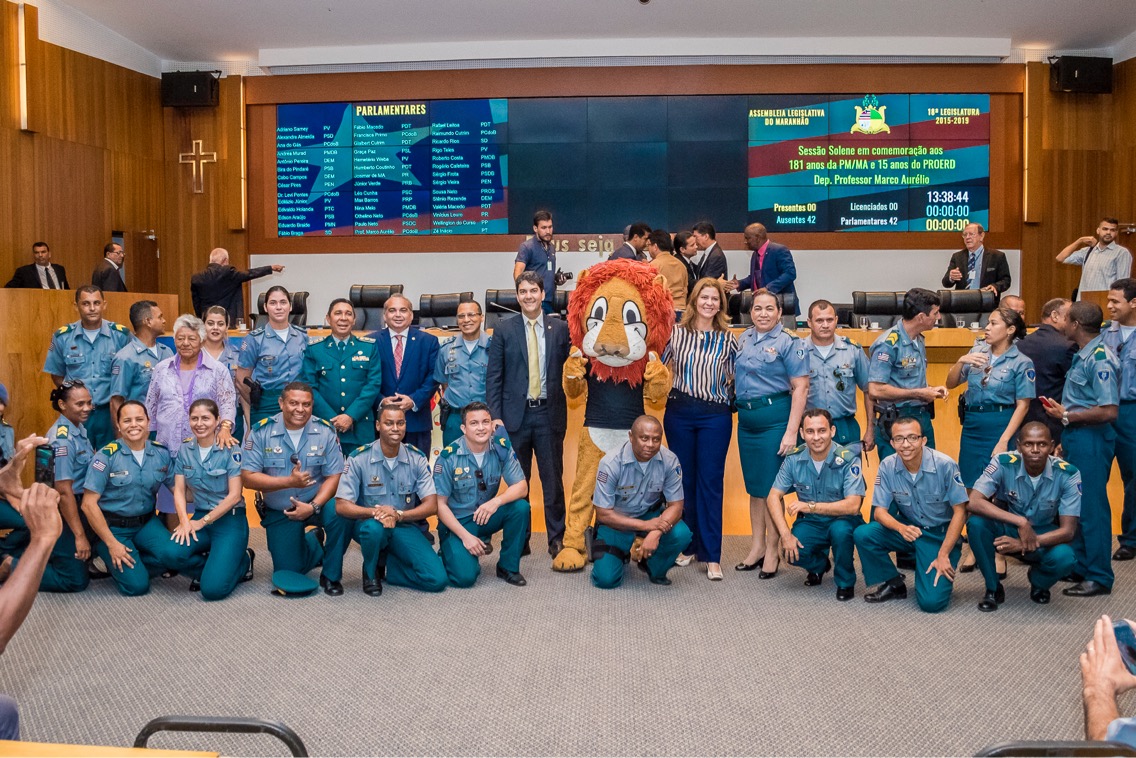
227, 353
294, 460
134, 364
1026, 503
1089, 406
119, 498
271, 356
345, 373
925, 488
1118, 338
212, 546
897, 371
837, 366
638, 494
830, 488
999, 388
467, 475
85, 350
460, 369
387, 490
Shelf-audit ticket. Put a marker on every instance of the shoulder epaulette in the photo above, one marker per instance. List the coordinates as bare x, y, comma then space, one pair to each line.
358, 450
155, 443
448, 450
503, 441
1101, 353
851, 341
413, 449
795, 450
1009, 458
64, 329
317, 340
62, 431
187, 440
892, 338
303, 328
447, 340
257, 331
109, 448
369, 340
263, 421
846, 455
1065, 466
325, 422
119, 327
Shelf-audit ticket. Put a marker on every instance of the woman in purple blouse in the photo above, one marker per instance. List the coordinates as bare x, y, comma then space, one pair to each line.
191, 374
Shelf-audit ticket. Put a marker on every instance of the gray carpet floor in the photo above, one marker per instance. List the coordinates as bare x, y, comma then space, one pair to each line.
738, 667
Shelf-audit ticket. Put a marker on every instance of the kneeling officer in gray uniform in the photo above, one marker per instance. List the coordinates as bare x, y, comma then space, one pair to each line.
467, 476
830, 489
638, 494
388, 491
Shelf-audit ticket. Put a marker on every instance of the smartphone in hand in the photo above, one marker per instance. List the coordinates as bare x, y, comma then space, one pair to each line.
1126, 641
45, 465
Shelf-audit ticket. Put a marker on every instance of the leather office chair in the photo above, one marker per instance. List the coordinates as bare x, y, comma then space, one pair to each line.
967, 302
740, 303
368, 301
560, 303
299, 315
499, 304
440, 311
883, 308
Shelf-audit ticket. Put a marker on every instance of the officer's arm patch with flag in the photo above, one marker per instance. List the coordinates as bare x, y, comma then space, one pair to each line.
601, 477
991, 469
99, 465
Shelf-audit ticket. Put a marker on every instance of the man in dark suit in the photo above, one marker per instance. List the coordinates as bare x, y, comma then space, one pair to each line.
685, 248
43, 274
107, 275
633, 248
408, 355
525, 394
1052, 355
976, 267
771, 266
220, 284
713, 264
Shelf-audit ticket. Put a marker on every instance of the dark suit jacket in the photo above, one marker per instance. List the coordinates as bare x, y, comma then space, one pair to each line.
691, 272
625, 251
26, 277
778, 272
1052, 355
221, 285
507, 376
995, 270
419, 353
107, 278
713, 263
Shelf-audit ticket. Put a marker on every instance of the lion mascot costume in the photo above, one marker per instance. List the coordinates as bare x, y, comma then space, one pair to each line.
620, 317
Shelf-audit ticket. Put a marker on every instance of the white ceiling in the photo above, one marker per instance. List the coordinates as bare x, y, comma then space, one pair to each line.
238, 30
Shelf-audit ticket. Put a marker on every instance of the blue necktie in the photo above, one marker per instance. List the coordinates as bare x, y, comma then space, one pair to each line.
970, 269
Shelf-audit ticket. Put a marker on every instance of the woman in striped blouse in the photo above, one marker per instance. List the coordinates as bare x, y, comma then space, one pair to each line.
699, 417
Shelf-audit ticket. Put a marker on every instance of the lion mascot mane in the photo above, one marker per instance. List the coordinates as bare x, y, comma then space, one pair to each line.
620, 317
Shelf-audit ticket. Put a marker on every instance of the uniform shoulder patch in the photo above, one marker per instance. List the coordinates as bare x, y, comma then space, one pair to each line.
325, 422
187, 440
1008, 458
1100, 354
844, 454
257, 332
64, 329
447, 451
413, 449
1065, 467
358, 450
110, 448
62, 431
796, 450
155, 443
504, 442
892, 338
317, 340
263, 422
368, 340
852, 342
119, 327
447, 340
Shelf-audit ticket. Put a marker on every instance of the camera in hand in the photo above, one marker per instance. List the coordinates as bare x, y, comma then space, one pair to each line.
563, 276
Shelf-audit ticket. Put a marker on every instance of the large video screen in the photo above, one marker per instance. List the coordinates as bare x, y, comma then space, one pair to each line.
793, 162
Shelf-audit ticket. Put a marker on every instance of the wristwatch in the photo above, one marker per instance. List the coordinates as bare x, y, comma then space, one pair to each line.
1065, 418
317, 508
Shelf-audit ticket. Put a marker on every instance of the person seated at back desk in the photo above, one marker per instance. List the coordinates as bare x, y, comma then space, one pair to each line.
638, 494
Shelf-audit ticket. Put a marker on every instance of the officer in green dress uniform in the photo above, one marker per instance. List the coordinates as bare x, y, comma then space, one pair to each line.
218, 530
837, 366
897, 372
293, 459
1118, 337
344, 371
638, 494
119, 498
134, 364
460, 369
1026, 504
85, 350
467, 475
923, 489
271, 356
830, 488
1089, 406
387, 489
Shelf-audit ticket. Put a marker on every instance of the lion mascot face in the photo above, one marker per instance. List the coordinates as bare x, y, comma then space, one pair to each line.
620, 313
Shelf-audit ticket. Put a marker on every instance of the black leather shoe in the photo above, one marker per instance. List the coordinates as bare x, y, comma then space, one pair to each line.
1039, 596
194, 585
992, 599
905, 561
743, 566
812, 580
660, 580
1087, 589
511, 577
1124, 553
335, 589
845, 593
554, 548
372, 587
763, 574
1073, 578
887, 592
487, 546
252, 561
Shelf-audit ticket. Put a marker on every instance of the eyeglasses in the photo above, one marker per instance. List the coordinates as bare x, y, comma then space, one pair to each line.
480, 481
839, 380
986, 375
910, 439
67, 384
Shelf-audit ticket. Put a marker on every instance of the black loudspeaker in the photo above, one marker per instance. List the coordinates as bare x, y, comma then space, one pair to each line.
190, 89
1072, 73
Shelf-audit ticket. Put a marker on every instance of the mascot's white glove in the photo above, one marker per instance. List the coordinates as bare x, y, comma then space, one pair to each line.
576, 366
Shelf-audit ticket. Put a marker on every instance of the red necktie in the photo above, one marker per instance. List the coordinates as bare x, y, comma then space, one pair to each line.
398, 356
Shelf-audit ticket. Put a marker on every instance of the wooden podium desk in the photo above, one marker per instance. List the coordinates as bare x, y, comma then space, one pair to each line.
29, 318
52, 750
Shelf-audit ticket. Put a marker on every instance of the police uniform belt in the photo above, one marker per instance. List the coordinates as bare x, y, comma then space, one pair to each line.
760, 402
1128, 402
127, 522
988, 408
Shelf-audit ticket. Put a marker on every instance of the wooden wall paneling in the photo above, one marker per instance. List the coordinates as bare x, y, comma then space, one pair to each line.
9, 66
231, 112
134, 113
74, 203
1123, 163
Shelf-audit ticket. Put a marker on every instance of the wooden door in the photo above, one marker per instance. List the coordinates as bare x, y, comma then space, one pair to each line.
141, 261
